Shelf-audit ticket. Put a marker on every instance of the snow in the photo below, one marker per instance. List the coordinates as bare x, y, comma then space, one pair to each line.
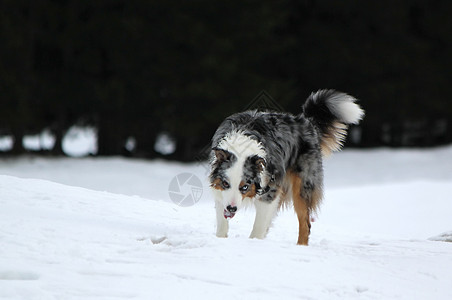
105, 228
80, 141
42, 141
165, 144
6, 143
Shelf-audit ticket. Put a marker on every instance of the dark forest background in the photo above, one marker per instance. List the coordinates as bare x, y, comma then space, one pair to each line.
140, 68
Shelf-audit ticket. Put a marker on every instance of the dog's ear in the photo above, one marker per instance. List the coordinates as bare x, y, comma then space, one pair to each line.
263, 175
221, 155
259, 162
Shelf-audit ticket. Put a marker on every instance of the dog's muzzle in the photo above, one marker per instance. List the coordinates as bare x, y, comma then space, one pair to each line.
230, 211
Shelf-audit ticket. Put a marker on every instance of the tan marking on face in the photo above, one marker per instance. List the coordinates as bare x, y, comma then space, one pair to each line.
216, 184
250, 193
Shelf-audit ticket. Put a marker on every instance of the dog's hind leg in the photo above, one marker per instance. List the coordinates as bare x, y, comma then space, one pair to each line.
265, 212
304, 223
301, 208
222, 223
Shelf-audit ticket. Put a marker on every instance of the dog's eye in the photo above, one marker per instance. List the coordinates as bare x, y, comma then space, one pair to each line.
225, 184
244, 188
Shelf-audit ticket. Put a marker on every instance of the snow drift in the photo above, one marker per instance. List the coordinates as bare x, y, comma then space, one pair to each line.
374, 238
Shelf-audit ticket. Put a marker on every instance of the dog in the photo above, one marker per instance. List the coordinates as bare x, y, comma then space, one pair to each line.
269, 158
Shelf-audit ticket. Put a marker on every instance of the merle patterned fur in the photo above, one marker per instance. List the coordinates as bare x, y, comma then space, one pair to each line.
293, 144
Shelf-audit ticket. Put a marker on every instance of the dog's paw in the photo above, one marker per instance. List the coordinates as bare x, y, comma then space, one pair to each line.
222, 234
258, 235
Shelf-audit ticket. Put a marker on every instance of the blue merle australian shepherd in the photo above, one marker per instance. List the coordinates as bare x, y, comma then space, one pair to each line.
271, 157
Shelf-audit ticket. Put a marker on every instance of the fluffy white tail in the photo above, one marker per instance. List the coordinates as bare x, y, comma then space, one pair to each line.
332, 112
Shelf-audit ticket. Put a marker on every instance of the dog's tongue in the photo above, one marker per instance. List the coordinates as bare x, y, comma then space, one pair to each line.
228, 214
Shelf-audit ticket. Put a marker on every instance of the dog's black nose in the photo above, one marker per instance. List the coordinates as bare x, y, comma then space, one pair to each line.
231, 209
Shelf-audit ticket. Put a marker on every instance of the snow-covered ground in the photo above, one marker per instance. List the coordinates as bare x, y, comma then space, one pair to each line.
90, 228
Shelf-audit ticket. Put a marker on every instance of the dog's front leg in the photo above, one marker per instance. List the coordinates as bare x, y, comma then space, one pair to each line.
265, 212
222, 222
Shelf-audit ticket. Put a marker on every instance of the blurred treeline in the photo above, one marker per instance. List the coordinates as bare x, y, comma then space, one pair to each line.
139, 68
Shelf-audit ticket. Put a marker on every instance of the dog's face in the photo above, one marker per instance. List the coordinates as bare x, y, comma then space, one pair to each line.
236, 178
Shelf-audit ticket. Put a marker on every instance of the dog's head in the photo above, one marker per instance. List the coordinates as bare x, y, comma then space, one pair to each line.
238, 172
